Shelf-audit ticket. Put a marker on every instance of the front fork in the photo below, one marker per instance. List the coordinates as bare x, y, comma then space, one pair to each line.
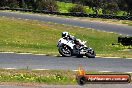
90, 50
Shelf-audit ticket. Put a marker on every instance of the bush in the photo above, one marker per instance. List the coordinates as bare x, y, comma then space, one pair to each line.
77, 8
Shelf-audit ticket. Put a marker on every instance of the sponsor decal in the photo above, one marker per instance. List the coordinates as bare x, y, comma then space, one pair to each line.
83, 78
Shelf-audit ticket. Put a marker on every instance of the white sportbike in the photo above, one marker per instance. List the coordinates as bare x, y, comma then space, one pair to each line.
69, 48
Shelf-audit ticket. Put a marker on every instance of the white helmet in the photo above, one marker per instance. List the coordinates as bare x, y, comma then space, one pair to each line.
65, 34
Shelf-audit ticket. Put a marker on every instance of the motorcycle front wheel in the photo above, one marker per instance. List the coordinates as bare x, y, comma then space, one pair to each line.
65, 51
90, 55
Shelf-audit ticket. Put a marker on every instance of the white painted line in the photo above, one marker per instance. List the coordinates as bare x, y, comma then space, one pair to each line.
41, 69
75, 26
38, 14
57, 55
82, 27
75, 70
6, 52
120, 34
128, 58
55, 23
97, 71
19, 18
57, 17
26, 19
97, 56
128, 72
76, 19
23, 53
111, 32
104, 71
40, 54
67, 18
105, 31
9, 68
110, 57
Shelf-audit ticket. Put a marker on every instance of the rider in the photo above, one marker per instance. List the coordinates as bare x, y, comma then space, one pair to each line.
67, 36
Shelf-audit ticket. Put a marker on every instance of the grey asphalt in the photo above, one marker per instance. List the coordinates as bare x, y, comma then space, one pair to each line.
121, 29
72, 86
20, 61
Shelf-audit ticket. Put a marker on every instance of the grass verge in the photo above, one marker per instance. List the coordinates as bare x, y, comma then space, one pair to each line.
19, 35
61, 77
111, 21
36, 76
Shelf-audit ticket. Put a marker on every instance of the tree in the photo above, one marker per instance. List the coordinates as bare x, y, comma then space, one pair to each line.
129, 6
9, 3
122, 6
12, 3
109, 6
49, 5
2, 3
94, 4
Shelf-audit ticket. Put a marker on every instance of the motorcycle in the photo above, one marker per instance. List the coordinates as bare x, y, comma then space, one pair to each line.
68, 48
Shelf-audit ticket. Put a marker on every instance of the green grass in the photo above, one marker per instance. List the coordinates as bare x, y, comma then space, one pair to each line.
113, 21
18, 35
64, 7
35, 76
61, 77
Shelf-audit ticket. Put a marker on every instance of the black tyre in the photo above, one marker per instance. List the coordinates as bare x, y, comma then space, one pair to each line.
65, 51
90, 55
79, 56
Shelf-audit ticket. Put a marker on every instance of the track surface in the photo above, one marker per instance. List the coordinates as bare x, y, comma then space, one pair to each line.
21, 61
49, 62
73, 86
45, 62
121, 29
